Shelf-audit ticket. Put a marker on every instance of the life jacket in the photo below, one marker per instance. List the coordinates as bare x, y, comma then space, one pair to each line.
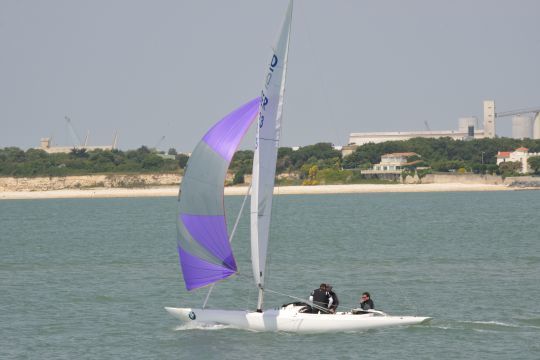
320, 297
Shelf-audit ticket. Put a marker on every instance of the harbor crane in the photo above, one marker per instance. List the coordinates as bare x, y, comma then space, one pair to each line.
74, 137
77, 143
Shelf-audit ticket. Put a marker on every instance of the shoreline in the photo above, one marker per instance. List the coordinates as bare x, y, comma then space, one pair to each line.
171, 191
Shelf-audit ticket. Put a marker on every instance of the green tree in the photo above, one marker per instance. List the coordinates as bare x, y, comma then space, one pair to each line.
238, 177
510, 168
182, 160
534, 164
79, 153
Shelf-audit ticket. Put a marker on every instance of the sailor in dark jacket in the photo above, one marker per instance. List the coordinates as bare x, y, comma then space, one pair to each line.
365, 302
321, 298
335, 303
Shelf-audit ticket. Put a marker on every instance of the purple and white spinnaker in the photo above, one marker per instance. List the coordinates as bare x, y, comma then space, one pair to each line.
203, 242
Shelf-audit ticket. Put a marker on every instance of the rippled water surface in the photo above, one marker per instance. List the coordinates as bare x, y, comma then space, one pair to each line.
88, 279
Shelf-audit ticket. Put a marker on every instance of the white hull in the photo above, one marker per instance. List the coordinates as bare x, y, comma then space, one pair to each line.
289, 319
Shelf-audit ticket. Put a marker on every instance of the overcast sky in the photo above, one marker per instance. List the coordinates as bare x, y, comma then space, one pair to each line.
149, 69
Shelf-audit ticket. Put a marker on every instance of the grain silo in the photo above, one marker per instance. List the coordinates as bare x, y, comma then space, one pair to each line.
521, 127
536, 126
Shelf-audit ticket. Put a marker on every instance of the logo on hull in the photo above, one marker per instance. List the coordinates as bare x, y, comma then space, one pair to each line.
192, 315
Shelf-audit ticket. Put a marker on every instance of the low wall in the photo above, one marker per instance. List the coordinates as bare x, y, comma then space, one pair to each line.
88, 181
523, 181
462, 179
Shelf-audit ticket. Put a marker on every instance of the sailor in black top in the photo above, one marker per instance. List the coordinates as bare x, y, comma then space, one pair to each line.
365, 302
321, 298
335, 303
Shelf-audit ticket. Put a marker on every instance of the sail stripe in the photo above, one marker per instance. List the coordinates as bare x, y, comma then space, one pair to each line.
224, 137
211, 233
198, 272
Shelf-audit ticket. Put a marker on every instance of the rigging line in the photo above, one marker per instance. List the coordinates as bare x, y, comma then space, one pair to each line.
342, 305
299, 299
348, 307
230, 239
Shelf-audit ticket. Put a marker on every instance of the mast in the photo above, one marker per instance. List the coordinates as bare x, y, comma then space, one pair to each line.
264, 161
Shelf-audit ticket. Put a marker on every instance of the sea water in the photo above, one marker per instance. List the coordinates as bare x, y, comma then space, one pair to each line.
88, 279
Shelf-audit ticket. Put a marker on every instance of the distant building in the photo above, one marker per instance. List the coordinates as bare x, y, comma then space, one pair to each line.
45, 145
379, 137
519, 155
393, 163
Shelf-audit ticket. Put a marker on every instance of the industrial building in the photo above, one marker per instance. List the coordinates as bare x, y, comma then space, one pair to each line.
45, 145
524, 126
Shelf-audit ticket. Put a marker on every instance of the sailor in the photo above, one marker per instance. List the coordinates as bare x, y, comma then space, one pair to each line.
365, 302
321, 298
335, 303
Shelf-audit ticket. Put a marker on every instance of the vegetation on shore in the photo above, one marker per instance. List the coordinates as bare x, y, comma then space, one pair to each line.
309, 165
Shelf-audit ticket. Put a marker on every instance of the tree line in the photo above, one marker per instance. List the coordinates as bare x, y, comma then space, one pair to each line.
35, 162
311, 163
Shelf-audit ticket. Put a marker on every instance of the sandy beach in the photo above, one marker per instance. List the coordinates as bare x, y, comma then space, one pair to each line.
282, 190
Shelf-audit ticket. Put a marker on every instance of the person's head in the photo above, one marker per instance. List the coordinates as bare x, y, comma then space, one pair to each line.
328, 287
322, 286
365, 296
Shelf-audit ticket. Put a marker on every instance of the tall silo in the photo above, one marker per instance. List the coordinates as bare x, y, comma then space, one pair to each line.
521, 127
536, 126
489, 118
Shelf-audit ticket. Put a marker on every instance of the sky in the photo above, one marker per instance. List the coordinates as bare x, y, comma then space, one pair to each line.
161, 73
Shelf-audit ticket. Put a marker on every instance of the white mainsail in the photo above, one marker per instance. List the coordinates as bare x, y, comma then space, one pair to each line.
264, 161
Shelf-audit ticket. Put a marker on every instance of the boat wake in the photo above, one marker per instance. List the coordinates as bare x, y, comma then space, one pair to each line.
532, 322
201, 326
479, 326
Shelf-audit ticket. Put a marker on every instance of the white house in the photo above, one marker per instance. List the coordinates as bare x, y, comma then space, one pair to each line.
521, 155
391, 163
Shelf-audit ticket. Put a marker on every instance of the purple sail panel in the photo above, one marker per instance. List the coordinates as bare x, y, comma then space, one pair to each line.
198, 273
210, 231
225, 136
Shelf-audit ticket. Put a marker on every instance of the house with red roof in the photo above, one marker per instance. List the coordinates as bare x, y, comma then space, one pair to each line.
521, 155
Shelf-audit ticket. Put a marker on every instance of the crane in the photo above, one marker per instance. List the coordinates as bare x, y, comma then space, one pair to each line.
159, 142
535, 110
75, 138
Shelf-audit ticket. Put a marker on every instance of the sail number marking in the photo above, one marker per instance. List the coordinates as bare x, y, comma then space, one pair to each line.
264, 98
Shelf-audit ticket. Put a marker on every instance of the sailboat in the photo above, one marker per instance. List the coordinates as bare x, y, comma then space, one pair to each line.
204, 248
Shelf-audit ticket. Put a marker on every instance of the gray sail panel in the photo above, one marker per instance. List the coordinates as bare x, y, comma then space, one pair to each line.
202, 188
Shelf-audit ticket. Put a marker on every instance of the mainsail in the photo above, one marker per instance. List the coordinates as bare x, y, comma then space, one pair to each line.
264, 162
203, 242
